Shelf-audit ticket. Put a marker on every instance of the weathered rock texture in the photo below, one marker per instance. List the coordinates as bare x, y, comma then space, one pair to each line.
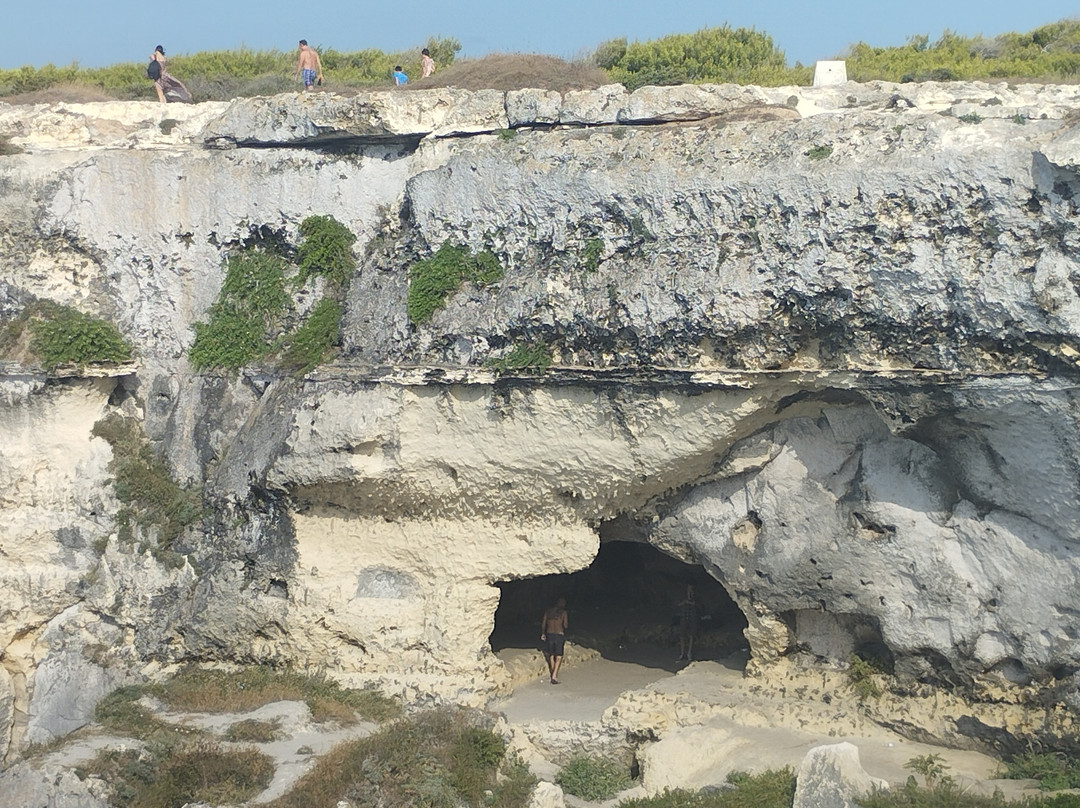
822, 342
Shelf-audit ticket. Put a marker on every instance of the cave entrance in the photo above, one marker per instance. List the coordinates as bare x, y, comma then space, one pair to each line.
625, 606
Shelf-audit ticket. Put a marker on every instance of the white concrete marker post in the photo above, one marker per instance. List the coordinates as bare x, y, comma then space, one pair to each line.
827, 74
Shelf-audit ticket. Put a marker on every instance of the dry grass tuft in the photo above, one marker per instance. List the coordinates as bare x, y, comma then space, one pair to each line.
515, 71
251, 730
169, 775
437, 758
218, 691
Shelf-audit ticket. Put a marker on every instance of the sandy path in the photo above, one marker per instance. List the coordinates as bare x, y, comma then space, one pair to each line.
583, 693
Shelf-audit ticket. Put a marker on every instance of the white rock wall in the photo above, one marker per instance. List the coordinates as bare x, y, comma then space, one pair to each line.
57, 505
361, 517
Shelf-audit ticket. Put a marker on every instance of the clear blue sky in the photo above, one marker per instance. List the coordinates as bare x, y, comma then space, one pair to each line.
95, 34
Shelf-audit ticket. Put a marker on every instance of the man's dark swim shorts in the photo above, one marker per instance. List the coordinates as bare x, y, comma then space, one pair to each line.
555, 644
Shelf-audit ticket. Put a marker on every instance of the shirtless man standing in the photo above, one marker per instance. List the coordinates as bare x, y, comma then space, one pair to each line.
553, 633
308, 65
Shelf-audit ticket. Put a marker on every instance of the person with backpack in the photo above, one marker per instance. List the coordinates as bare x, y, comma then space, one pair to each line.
155, 71
167, 87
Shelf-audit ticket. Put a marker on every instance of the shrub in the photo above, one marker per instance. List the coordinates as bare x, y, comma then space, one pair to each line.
246, 321
931, 767
971, 117
534, 357
434, 279
310, 344
1054, 801
326, 250
516, 785
474, 754
818, 152
251, 301
1048, 52
773, 788
608, 54
437, 758
860, 677
721, 54
593, 778
230, 340
61, 335
152, 499
949, 795
1052, 771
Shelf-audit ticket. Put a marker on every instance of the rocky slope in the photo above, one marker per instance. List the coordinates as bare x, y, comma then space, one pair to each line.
822, 342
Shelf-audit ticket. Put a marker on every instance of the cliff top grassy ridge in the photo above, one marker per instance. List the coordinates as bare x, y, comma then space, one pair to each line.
711, 55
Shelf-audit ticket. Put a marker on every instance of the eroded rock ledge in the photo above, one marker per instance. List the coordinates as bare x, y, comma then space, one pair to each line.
821, 343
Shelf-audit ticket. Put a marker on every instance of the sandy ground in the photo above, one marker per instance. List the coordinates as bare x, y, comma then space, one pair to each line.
762, 726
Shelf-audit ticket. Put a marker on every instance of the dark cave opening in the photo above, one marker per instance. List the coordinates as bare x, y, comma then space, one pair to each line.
625, 606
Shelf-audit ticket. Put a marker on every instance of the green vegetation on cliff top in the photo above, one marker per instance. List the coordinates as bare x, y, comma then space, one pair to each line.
712, 55
715, 55
1050, 52
221, 75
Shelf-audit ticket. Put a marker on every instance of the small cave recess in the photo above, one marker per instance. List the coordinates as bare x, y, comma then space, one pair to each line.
625, 605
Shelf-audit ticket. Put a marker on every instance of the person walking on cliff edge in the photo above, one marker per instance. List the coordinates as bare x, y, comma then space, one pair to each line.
308, 66
167, 87
553, 635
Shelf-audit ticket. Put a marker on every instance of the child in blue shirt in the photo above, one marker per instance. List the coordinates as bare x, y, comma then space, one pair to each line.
399, 77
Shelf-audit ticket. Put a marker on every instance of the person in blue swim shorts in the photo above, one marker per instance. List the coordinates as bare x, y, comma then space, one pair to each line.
308, 66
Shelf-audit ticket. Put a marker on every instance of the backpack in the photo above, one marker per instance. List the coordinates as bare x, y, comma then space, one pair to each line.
153, 70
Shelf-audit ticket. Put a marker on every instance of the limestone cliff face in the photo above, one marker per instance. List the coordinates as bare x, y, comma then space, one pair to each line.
822, 342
